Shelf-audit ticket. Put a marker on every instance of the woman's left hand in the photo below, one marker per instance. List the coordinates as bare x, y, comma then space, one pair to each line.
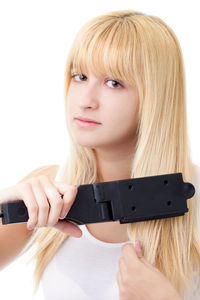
137, 279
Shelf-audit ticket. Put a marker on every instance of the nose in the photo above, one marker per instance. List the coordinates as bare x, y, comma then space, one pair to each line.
90, 95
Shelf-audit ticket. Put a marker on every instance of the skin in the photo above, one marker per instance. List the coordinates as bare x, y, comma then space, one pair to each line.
114, 105
137, 279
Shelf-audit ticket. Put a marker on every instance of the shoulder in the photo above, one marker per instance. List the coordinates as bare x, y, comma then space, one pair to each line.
48, 170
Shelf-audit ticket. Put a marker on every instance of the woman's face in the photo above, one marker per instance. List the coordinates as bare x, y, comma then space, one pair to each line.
114, 104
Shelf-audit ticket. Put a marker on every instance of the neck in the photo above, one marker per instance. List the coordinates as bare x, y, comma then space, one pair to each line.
115, 164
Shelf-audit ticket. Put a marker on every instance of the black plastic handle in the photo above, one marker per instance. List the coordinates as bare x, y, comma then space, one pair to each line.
128, 200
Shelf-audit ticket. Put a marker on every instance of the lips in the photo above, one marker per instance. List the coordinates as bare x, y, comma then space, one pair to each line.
87, 120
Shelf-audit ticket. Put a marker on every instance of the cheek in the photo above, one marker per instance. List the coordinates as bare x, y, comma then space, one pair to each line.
123, 118
71, 108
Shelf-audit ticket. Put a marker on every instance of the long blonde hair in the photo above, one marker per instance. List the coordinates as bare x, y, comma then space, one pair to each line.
143, 51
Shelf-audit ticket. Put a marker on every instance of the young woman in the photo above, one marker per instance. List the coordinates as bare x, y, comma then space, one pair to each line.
125, 74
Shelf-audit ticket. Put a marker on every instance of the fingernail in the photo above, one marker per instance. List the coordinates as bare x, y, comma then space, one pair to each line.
30, 227
63, 214
138, 244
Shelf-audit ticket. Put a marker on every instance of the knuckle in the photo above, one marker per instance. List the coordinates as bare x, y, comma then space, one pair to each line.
23, 186
20, 185
56, 203
59, 200
69, 198
44, 207
33, 208
52, 193
32, 180
42, 177
73, 188
20, 188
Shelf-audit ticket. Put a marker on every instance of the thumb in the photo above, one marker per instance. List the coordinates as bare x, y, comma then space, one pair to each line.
138, 249
69, 228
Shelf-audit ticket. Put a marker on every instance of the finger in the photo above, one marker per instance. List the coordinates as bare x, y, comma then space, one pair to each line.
69, 193
68, 228
129, 253
43, 204
54, 199
24, 191
123, 269
131, 256
138, 249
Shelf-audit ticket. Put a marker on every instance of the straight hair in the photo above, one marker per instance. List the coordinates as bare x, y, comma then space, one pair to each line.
144, 51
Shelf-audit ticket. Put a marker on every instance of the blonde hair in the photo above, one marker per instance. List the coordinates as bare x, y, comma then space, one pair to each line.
143, 51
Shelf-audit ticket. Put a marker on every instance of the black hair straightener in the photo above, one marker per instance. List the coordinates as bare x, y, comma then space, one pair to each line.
128, 200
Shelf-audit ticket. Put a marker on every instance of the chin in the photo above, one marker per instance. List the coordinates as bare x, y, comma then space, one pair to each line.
85, 144
83, 141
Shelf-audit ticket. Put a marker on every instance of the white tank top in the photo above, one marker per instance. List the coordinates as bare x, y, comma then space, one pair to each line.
85, 268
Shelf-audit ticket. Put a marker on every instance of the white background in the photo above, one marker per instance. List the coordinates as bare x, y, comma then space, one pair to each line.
35, 38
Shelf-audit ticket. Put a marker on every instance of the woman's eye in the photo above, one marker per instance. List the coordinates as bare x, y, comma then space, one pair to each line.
81, 75
116, 83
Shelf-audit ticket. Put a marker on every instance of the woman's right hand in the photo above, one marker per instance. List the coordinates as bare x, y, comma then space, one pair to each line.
47, 202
